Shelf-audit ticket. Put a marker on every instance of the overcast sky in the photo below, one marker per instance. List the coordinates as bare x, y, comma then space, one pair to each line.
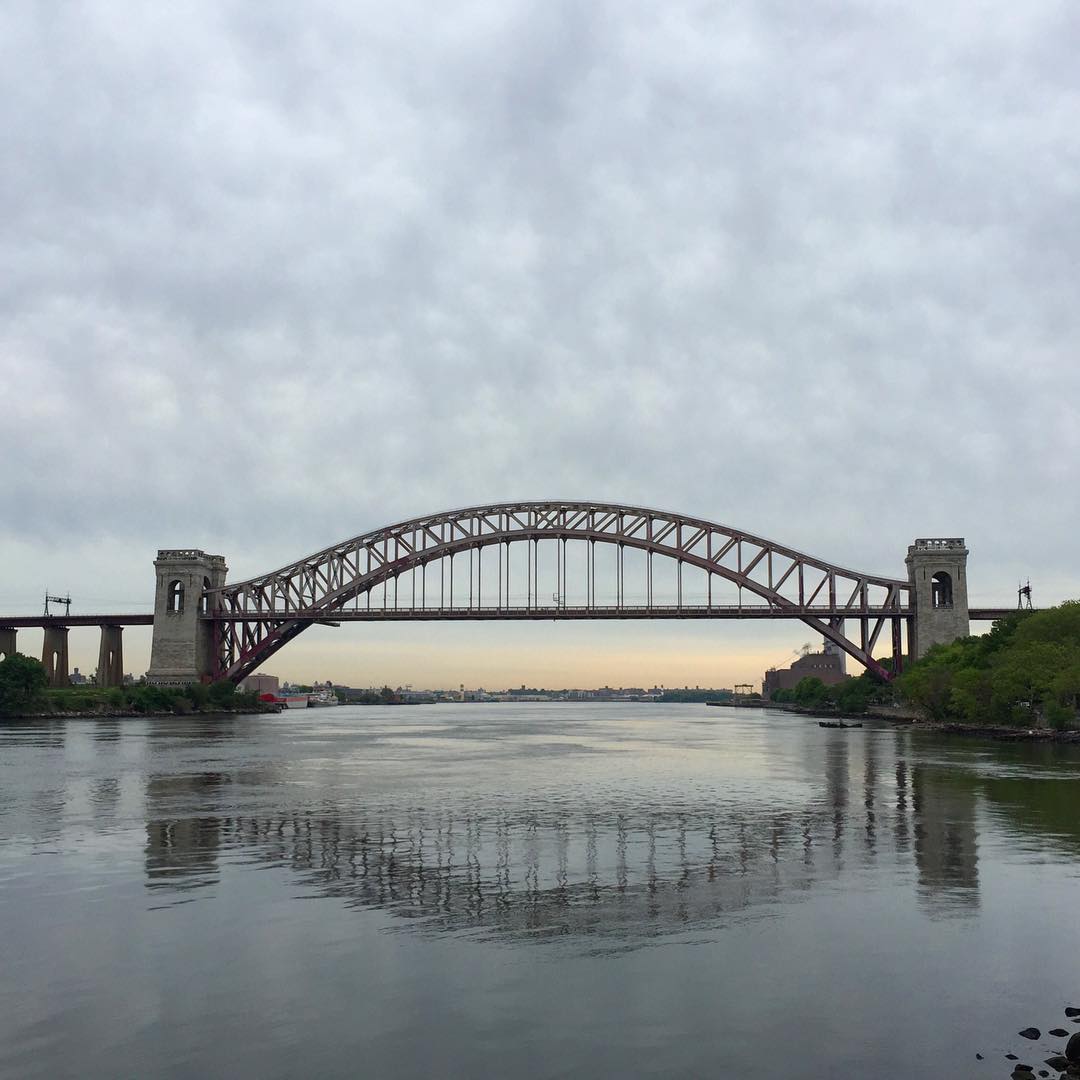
275, 274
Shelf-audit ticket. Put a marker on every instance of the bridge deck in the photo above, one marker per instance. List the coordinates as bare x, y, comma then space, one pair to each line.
568, 611
17, 622
390, 614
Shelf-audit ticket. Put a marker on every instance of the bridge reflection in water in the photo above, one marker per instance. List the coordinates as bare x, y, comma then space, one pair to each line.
622, 874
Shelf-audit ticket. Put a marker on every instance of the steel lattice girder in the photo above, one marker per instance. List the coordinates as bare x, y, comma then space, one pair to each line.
254, 617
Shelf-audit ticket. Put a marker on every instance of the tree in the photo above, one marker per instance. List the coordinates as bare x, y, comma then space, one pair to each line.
22, 684
152, 699
1067, 684
810, 691
854, 695
222, 693
1024, 672
972, 694
1022, 680
197, 693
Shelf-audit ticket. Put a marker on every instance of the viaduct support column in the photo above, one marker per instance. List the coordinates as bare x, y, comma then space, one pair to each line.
7, 642
54, 655
110, 668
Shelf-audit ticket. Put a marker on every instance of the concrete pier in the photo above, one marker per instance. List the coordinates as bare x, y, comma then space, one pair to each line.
7, 641
54, 655
110, 669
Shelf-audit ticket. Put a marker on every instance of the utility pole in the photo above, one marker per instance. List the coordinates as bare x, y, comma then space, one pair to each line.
65, 600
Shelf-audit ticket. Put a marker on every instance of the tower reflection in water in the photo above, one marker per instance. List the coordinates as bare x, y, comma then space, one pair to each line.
626, 873
181, 851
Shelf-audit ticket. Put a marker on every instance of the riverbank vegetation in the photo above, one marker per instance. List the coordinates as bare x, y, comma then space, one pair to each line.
695, 697
24, 691
1024, 673
850, 696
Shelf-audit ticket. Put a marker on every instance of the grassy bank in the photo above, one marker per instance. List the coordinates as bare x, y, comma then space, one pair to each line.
141, 698
24, 692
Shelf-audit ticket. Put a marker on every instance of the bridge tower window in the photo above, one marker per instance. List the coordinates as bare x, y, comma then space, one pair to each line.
941, 592
175, 603
204, 600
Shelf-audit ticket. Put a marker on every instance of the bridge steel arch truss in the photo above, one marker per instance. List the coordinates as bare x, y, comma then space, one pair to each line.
358, 579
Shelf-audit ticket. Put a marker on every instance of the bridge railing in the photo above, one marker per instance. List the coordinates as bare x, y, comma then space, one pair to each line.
378, 611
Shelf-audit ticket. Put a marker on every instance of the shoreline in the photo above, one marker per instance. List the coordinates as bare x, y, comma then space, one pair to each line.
912, 721
131, 714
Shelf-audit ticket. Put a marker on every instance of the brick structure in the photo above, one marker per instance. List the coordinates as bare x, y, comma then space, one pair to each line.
826, 666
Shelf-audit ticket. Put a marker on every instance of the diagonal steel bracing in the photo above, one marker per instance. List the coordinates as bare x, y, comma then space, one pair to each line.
255, 618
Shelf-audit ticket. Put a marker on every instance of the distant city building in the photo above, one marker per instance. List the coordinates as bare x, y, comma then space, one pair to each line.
826, 666
77, 678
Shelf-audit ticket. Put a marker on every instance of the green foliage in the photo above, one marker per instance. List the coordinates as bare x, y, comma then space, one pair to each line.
811, 692
152, 698
221, 693
198, 694
1024, 673
855, 695
22, 684
139, 698
697, 696
849, 696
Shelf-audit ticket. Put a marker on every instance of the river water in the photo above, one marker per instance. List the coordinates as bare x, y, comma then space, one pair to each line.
545, 890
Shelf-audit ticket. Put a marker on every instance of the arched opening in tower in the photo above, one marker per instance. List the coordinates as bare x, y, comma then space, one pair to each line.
941, 595
176, 598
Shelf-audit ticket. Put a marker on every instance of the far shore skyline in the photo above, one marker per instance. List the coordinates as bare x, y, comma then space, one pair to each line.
563, 655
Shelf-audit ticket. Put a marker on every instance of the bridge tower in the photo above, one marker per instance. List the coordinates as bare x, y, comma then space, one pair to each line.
182, 650
937, 570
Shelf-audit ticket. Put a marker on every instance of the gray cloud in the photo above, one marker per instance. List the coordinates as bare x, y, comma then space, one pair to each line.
273, 276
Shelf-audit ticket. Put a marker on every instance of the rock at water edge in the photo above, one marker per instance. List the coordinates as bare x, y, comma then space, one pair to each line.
1072, 1048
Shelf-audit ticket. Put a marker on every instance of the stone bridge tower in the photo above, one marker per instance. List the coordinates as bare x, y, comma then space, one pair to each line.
937, 570
183, 645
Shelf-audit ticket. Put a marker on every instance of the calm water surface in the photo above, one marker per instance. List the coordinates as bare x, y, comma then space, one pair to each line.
530, 891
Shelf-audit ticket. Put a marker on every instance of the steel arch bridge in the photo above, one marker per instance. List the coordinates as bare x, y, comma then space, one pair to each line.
385, 575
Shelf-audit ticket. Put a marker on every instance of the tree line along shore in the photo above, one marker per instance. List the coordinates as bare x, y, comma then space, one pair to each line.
24, 691
1023, 674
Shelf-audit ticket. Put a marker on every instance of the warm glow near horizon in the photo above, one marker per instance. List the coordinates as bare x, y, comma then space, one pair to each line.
501, 655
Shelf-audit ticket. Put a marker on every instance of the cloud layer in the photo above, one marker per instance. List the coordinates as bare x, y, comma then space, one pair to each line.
274, 275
